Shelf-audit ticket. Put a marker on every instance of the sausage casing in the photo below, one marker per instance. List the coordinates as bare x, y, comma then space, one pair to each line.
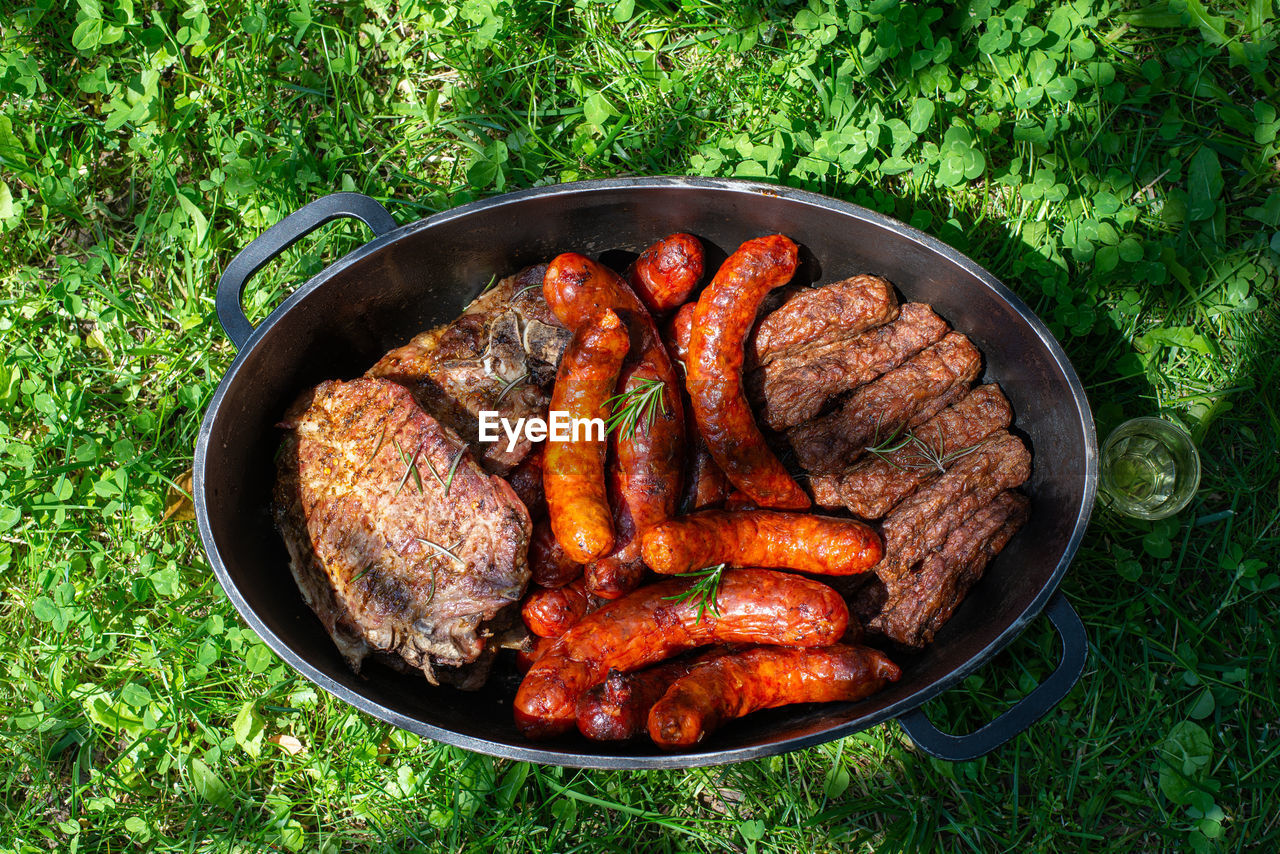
705, 485
550, 612
667, 272
618, 708
801, 541
549, 564
764, 678
650, 458
573, 472
652, 624
724, 315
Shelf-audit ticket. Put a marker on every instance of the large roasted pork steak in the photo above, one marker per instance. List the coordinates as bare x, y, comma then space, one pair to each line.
401, 543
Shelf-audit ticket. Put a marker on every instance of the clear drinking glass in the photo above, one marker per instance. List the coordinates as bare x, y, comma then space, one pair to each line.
1150, 468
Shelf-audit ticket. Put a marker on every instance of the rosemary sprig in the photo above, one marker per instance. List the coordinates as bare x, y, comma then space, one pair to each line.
410, 466
894, 443
432, 469
493, 280
442, 551
926, 456
938, 457
506, 389
705, 591
457, 458
382, 437
643, 402
362, 573
537, 285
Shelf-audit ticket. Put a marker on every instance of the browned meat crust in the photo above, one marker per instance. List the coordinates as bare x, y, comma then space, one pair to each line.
500, 354
792, 389
388, 558
904, 397
872, 486
927, 596
922, 522
824, 315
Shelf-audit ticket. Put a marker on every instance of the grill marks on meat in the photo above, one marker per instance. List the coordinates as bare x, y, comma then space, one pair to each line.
824, 315
925, 598
922, 523
904, 397
793, 388
388, 560
872, 486
500, 354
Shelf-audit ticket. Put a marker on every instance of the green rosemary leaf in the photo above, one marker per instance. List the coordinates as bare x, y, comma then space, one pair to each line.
705, 591
457, 458
509, 386
642, 403
442, 551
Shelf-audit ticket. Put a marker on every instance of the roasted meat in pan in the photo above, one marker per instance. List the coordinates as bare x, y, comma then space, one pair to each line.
500, 354
812, 317
872, 486
401, 544
904, 397
927, 595
792, 389
922, 522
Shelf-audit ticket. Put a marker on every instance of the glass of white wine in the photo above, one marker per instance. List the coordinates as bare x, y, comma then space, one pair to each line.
1150, 468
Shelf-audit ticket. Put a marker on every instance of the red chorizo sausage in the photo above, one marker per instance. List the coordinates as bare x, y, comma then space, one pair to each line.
618, 708
725, 313
801, 541
573, 472
550, 612
549, 564
764, 678
653, 623
650, 458
667, 272
705, 484
526, 657
679, 332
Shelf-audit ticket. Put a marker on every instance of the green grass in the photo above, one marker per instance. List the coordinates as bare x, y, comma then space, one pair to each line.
1115, 165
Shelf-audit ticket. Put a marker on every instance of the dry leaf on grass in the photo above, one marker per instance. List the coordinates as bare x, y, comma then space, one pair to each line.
287, 743
177, 503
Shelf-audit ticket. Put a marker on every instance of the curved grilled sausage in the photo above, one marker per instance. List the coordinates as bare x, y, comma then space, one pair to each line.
652, 624
618, 708
667, 272
705, 484
549, 564
650, 458
526, 657
573, 472
549, 613
725, 313
764, 678
801, 541
680, 331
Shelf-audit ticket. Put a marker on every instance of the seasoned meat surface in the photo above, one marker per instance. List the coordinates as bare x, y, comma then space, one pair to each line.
792, 389
926, 597
904, 397
500, 354
873, 485
393, 560
922, 522
822, 315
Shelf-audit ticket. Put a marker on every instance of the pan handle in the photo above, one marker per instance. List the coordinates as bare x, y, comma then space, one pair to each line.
280, 237
959, 748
